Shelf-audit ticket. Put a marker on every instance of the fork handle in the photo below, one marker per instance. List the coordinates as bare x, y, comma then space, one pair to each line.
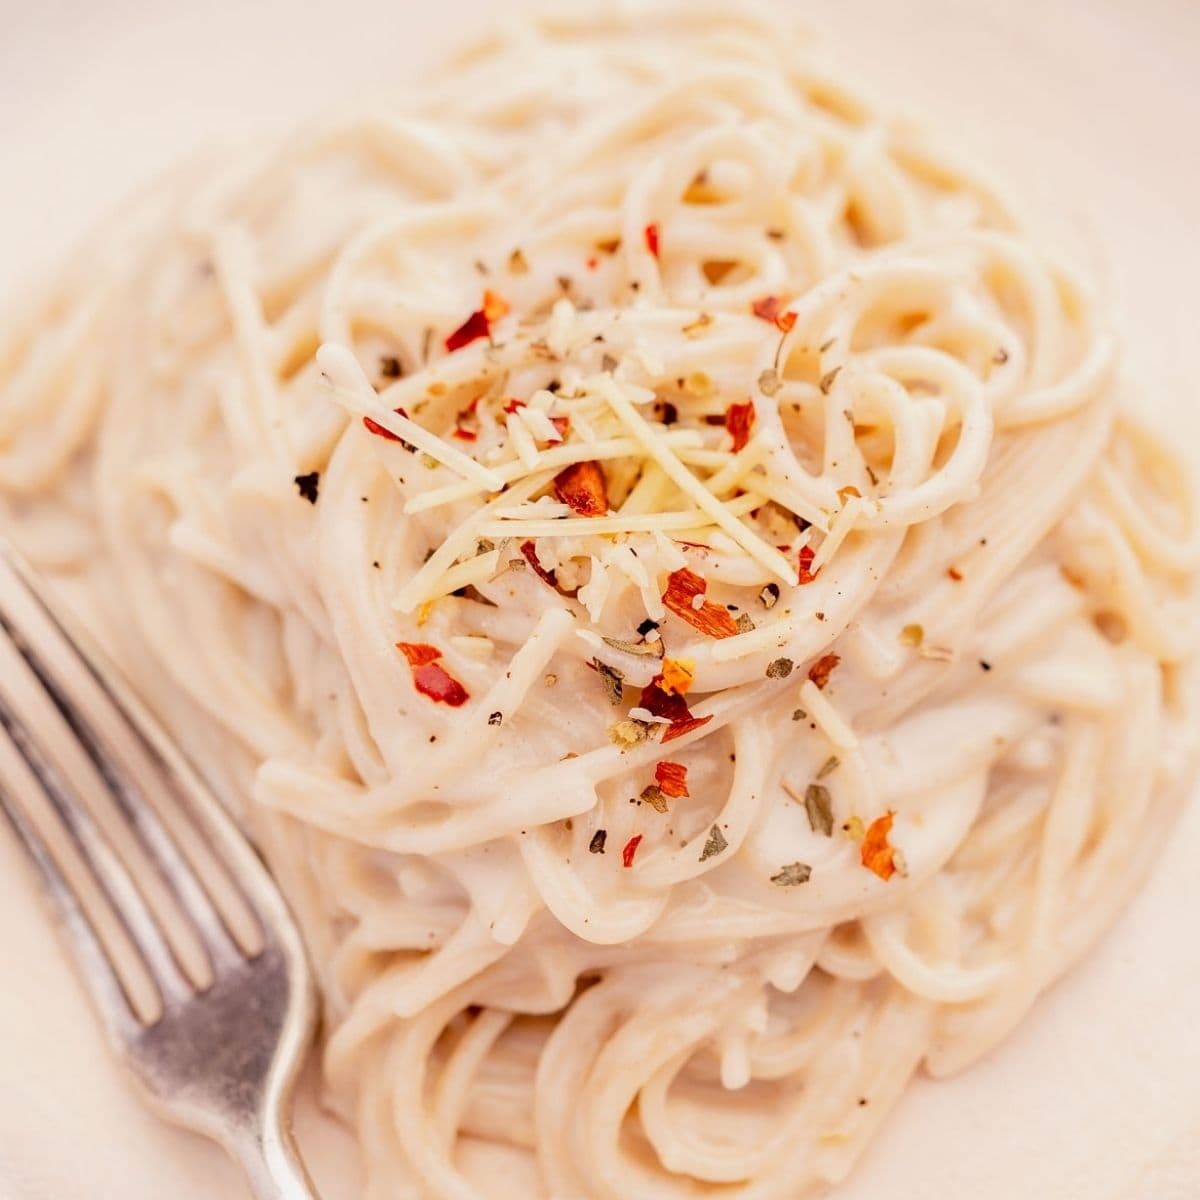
273, 1166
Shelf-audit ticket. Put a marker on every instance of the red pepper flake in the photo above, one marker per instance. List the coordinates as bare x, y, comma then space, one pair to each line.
821, 670
683, 586
652, 239
878, 854
771, 309
671, 778
630, 849
582, 488
593, 262
529, 550
419, 654
955, 574
739, 420
678, 728
466, 423
807, 574
379, 431
563, 425
479, 323
429, 677
673, 707
513, 405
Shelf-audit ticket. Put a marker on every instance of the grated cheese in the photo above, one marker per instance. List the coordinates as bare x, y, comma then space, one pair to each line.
657, 448
351, 386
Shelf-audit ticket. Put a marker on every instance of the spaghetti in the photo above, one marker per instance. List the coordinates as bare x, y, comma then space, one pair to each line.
669, 563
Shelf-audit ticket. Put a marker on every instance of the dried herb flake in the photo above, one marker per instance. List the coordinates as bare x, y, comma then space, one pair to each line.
715, 844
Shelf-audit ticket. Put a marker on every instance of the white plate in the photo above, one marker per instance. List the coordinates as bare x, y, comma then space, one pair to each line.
1092, 109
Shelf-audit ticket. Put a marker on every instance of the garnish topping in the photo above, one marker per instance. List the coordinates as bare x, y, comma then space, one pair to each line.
685, 598
644, 649
878, 854
307, 485
769, 382
807, 574
673, 708
819, 807
611, 679
779, 668
596, 845
771, 309
479, 323
429, 677
582, 488
792, 875
629, 733
671, 777
379, 431
630, 849
828, 767
821, 670
677, 676
739, 420
654, 796
715, 844
651, 234
466, 423
529, 551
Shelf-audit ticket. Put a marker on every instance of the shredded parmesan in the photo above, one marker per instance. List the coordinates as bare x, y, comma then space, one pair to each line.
652, 441
346, 378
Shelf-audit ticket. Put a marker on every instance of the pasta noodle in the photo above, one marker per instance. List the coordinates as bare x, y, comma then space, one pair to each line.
672, 578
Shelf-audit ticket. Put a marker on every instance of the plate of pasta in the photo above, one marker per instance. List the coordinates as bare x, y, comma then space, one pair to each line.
690, 586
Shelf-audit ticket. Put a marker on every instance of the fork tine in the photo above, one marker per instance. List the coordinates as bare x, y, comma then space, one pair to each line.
171, 865
115, 1006
108, 870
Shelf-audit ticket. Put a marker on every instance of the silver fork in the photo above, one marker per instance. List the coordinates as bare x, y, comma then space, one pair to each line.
219, 1057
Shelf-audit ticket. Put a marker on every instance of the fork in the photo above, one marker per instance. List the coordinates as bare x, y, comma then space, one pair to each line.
218, 1040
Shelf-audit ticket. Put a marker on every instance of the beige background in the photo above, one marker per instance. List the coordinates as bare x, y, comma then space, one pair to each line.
1092, 107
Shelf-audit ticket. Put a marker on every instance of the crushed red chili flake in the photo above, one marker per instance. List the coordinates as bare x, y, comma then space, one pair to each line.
630, 849
583, 489
671, 707
379, 431
479, 323
593, 262
807, 574
529, 550
659, 702
821, 670
652, 239
466, 423
513, 405
878, 854
712, 620
678, 728
771, 309
671, 778
429, 677
955, 574
563, 425
419, 654
739, 420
